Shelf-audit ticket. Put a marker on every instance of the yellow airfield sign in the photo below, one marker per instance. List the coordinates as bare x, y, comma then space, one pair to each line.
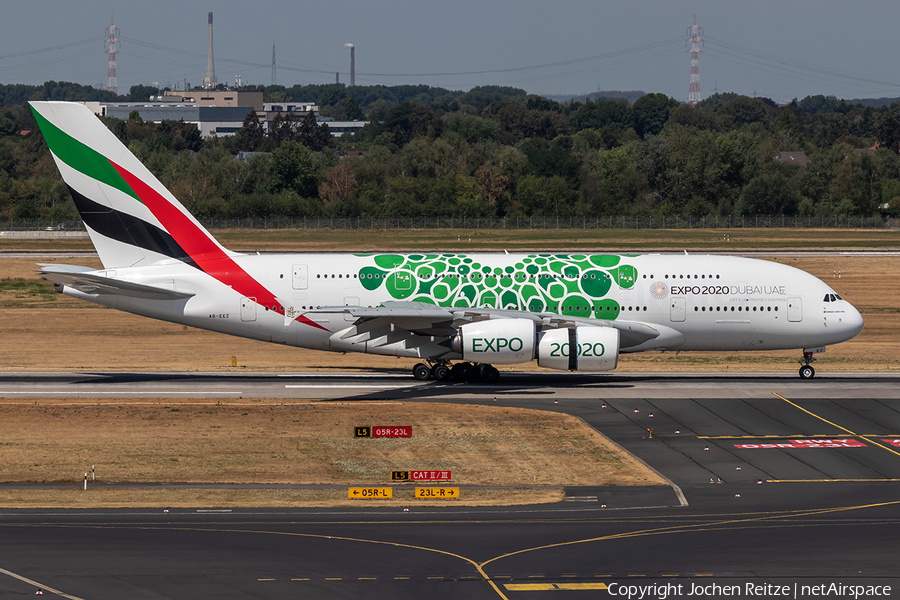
438, 493
370, 493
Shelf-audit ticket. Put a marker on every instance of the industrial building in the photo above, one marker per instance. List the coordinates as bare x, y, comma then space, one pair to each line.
219, 113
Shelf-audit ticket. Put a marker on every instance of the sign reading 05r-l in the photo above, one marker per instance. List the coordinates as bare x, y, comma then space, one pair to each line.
383, 431
383, 493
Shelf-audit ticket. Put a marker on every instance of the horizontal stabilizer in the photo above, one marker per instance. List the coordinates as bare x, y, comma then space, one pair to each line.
85, 279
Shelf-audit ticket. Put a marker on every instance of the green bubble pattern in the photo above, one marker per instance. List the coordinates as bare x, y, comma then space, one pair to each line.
566, 284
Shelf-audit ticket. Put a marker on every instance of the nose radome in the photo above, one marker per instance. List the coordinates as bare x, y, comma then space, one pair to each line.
852, 321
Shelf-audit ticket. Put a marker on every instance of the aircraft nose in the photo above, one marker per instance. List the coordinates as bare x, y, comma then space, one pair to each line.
851, 321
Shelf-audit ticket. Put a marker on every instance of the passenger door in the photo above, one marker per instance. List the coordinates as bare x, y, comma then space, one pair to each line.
677, 309
795, 310
248, 309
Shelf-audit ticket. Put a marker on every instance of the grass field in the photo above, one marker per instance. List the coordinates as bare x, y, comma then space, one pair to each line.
600, 240
263, 441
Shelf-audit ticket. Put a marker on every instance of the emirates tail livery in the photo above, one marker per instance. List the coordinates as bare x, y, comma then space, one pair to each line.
457, 313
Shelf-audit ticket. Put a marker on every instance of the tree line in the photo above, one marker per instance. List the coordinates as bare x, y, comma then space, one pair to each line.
491, 151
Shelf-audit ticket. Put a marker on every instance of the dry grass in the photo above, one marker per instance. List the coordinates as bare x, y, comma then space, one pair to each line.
187, 441
600, 240
97, 497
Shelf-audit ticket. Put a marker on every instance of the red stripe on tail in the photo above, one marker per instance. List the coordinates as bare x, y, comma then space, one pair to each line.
202, 249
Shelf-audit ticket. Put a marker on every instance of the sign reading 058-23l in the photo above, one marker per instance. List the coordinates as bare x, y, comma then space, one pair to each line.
383, 431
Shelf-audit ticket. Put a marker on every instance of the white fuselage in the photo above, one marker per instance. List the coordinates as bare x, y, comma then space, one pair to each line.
713, 302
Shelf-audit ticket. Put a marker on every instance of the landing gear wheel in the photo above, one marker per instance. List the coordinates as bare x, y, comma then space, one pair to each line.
441, 372
807, 372
489, 374
458, 371
421, 372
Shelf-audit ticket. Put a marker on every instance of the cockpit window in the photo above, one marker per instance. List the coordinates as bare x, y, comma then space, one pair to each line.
827, 297
832, 298
836, 297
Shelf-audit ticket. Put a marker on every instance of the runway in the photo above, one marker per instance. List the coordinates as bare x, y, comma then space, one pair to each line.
775, 482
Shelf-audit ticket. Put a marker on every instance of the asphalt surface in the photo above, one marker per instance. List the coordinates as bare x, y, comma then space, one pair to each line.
775, 482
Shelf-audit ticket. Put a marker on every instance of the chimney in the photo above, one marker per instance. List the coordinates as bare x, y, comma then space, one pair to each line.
352, 63
210, 81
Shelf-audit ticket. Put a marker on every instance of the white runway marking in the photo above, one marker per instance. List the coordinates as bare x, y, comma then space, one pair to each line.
89, 391
39, 585
348, 386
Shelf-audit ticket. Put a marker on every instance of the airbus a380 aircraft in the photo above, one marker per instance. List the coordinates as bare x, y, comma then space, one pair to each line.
458, 313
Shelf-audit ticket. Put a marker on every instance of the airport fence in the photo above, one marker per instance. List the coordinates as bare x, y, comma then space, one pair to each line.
512, 223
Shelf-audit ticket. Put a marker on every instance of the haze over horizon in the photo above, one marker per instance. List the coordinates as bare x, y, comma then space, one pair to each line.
779, 50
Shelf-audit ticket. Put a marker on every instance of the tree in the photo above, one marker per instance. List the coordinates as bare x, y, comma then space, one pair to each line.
650, 112
284, 127
769, 194
141, 93
889, 133
352, 112
294, 169
340, 184
408, 120
787, 121
492, 184
312, 135
600, 114
250, 135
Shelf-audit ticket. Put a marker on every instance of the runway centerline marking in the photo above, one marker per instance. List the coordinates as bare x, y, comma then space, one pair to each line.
39, 585
867, 438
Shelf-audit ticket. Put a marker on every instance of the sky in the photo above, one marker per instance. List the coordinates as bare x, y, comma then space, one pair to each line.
776, 49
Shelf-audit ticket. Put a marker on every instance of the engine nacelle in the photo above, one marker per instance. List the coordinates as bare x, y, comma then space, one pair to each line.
596, 349
499, 341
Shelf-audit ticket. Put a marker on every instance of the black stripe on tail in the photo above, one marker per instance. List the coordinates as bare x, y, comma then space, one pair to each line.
128, 229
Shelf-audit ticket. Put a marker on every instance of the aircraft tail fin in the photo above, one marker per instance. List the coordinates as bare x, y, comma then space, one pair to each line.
131, 217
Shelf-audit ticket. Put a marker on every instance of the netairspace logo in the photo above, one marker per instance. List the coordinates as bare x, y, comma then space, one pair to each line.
797, 591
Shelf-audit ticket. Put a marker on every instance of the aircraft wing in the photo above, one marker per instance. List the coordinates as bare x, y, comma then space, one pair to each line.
85, 280
419, 324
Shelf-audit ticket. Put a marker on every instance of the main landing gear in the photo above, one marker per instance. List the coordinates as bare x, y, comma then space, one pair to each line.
442, 371
806, 371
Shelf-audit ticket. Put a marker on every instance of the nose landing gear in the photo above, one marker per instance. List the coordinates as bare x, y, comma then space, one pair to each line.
806, 371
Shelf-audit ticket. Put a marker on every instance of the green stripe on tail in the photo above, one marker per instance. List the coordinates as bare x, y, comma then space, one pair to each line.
81, 157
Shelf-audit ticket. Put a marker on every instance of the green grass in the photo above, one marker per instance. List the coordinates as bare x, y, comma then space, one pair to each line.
555, 239
521, 239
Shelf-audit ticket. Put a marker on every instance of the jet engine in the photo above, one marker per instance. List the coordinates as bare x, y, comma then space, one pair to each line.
498, 341
595, 349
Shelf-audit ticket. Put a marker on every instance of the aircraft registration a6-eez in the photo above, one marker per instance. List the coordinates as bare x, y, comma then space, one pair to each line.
459, 314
